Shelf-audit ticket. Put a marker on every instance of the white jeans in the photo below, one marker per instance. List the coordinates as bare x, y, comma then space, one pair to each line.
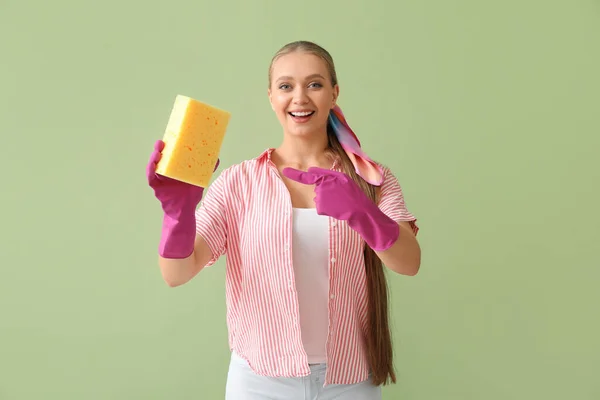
244, 384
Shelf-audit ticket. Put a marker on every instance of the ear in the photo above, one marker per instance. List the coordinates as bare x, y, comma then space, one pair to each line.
336, 93
270, 99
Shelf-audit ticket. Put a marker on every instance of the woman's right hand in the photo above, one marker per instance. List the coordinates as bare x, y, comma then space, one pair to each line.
179, 201
175, 196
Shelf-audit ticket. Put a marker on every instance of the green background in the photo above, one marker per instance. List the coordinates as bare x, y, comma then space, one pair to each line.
486, 111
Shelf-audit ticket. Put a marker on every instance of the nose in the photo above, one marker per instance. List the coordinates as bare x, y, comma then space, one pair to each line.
300, 96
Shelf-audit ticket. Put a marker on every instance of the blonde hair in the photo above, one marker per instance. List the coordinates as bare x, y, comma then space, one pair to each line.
377, 337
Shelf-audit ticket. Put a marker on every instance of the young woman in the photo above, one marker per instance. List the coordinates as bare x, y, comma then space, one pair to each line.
306, 229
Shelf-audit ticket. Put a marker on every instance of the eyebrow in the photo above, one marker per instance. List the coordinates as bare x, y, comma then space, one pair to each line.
289, 78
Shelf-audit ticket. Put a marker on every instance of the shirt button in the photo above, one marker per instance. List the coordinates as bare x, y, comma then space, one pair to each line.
333, 260
332, 296
334, 223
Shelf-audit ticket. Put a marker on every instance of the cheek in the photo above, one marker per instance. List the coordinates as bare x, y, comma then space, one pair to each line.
325, 101
279, 104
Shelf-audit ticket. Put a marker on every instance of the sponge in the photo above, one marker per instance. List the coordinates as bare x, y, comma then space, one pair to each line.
193, 139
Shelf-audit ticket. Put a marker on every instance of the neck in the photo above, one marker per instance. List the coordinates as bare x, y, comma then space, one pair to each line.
303, 152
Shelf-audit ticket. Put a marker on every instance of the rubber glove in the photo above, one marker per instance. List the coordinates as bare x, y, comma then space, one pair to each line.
338, 196
179, 201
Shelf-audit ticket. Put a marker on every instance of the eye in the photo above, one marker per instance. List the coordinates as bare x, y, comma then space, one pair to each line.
316, 85
284, 86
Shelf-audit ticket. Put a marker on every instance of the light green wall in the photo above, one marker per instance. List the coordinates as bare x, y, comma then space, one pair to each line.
487, 111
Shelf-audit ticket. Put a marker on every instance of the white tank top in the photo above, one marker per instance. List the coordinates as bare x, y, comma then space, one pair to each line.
310, 252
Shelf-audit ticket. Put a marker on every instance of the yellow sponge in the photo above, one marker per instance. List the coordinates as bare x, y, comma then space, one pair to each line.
193, 139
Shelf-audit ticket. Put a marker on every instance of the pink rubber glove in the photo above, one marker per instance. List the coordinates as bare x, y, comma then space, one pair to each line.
179, 201
338, 196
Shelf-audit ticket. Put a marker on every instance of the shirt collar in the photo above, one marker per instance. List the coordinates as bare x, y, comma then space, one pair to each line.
265, 157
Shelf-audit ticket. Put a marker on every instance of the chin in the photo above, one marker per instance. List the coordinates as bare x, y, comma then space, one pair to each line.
302, 132
309, 129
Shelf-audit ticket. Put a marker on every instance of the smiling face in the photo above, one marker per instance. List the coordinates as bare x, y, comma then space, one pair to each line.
301, 93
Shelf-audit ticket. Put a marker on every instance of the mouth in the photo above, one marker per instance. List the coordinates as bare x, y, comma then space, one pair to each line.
301, 116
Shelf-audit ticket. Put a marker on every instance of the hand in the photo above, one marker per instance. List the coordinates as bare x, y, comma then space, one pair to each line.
179, 201
338, 196
173, 195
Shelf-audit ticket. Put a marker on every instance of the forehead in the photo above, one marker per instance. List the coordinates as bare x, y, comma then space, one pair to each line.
299, 65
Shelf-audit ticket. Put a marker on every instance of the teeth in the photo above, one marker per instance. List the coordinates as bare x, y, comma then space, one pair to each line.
301, 114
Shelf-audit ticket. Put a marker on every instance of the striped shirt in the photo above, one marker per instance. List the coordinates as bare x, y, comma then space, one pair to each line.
246, 214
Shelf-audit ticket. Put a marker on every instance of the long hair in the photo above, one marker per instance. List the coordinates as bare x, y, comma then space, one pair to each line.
377, 336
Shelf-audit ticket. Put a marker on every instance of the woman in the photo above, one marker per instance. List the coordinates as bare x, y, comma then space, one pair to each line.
306, 228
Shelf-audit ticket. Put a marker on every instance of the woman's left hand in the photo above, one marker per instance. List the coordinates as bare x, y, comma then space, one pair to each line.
338, 196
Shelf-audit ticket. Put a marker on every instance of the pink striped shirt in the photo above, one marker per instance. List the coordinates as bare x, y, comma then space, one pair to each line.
246, 214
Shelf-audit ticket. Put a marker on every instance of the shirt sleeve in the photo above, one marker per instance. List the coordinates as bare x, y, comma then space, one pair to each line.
392, 201
211, 218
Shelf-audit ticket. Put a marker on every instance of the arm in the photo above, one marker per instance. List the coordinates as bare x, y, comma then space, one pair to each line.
210, 238
404, 256
177, 271
182, 250
387, 227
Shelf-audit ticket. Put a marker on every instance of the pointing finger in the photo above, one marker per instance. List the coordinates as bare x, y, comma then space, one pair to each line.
308, 178
321, 172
